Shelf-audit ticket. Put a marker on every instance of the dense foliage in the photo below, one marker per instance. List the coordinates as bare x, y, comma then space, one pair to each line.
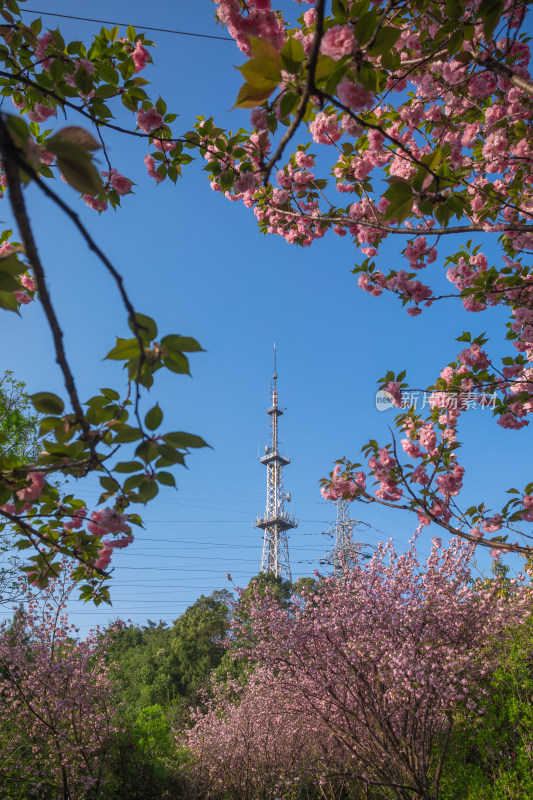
161, 665
18, 436
46, 78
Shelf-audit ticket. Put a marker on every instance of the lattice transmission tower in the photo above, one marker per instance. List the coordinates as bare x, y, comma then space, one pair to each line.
342, 555
276, 522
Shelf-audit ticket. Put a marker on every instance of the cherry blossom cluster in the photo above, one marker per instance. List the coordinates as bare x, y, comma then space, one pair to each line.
251, 18
430, 131
59, 699
429, 444
251, 741
370, 671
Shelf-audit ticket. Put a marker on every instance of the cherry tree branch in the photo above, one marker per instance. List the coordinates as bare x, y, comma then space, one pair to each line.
506, 72
308, 91
505, 546
95, 121
12, 161
509, 226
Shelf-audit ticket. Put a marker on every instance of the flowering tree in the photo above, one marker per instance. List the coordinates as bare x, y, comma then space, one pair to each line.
422, 109
252, 743
59, 702
46, 77
378, 665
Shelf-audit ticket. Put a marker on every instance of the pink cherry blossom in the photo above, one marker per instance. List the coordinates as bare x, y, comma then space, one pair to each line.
35, 489
94, 203
354, 95
149, 120
119, 183
338, 42
140, 56
152, 171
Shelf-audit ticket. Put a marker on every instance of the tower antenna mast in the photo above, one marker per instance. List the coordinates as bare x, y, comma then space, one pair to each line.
276, 522
342, 555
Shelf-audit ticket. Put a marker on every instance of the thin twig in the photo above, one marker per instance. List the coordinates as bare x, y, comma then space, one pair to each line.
12, 161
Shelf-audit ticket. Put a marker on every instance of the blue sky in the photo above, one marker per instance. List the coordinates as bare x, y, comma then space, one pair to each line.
198, 264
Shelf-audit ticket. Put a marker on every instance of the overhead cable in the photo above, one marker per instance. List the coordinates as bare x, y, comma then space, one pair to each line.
143, 27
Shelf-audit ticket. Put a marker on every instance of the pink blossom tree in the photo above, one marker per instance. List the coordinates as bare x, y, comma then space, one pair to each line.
373, 669
59, 702
422, 111
246, 743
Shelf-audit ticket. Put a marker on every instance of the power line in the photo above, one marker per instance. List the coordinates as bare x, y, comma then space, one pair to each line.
143, 27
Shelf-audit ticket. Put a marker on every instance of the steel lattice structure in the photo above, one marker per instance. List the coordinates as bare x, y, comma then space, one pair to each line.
341, 556
276, 522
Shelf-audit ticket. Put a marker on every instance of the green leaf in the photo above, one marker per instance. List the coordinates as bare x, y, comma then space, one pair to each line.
176, 362
335, 76
250, 96
111, 484
385, 40
454, 8
161, 106
184, 440
128, 466
107, 73
166, 478
133, 481
123, 433
105, 91
110, 394
292, 55
365, 27
9, 302
147, 450
261, 73
148, 490
288, 104
390, 60
124, 349
490, 12
456, 42
181, 344
146, 327
68, 141
154, 418
464, 57
47, 403
261, 48
443, 214
227, 179
324, 67
8, 283
339, 8
17, 128
169, 455
81, 174
401, 200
